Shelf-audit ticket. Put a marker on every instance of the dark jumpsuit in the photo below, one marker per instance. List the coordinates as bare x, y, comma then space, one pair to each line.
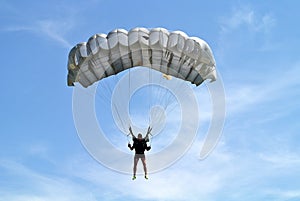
140, 146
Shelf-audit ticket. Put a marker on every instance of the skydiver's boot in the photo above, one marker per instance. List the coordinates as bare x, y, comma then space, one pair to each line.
134, 177
146, 177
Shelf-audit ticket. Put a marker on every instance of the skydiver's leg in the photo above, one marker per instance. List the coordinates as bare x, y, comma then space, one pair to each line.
136, 160
145, 165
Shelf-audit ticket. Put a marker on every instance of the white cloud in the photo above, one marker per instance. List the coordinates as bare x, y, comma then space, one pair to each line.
216, 177
81, 178
264, 88
245, 16
281, 159
54, 28
281, 194
245, 28
188, 179
39, 186
49, 29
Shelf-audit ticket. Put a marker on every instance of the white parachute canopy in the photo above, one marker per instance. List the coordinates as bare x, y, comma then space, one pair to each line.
173, 54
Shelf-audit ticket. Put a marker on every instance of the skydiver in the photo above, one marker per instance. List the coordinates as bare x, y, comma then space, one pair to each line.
140, 145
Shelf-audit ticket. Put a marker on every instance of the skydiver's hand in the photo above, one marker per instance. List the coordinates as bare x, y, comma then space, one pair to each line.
149, 129
130, 129
129, 145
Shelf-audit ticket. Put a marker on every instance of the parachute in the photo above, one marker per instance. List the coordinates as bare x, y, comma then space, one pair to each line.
171, 53
161, 56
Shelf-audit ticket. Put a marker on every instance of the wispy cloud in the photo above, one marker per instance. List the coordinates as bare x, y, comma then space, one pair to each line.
245, 27
39, 186
48, 29
282, 159
180, 182
245, 16
53, 27
191, 179
218, 176
281, 194
265, 88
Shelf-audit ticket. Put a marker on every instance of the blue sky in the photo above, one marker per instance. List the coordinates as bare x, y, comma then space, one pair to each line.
256, 47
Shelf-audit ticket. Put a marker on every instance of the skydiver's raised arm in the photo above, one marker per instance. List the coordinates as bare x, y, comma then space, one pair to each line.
148, 132
130, 132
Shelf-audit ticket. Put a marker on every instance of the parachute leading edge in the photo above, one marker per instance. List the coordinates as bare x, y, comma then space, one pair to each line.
172, 53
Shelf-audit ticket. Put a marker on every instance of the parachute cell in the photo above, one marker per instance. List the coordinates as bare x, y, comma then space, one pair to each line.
172, 53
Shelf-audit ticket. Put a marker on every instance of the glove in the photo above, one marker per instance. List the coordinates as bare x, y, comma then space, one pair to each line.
148, 148
129, 145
